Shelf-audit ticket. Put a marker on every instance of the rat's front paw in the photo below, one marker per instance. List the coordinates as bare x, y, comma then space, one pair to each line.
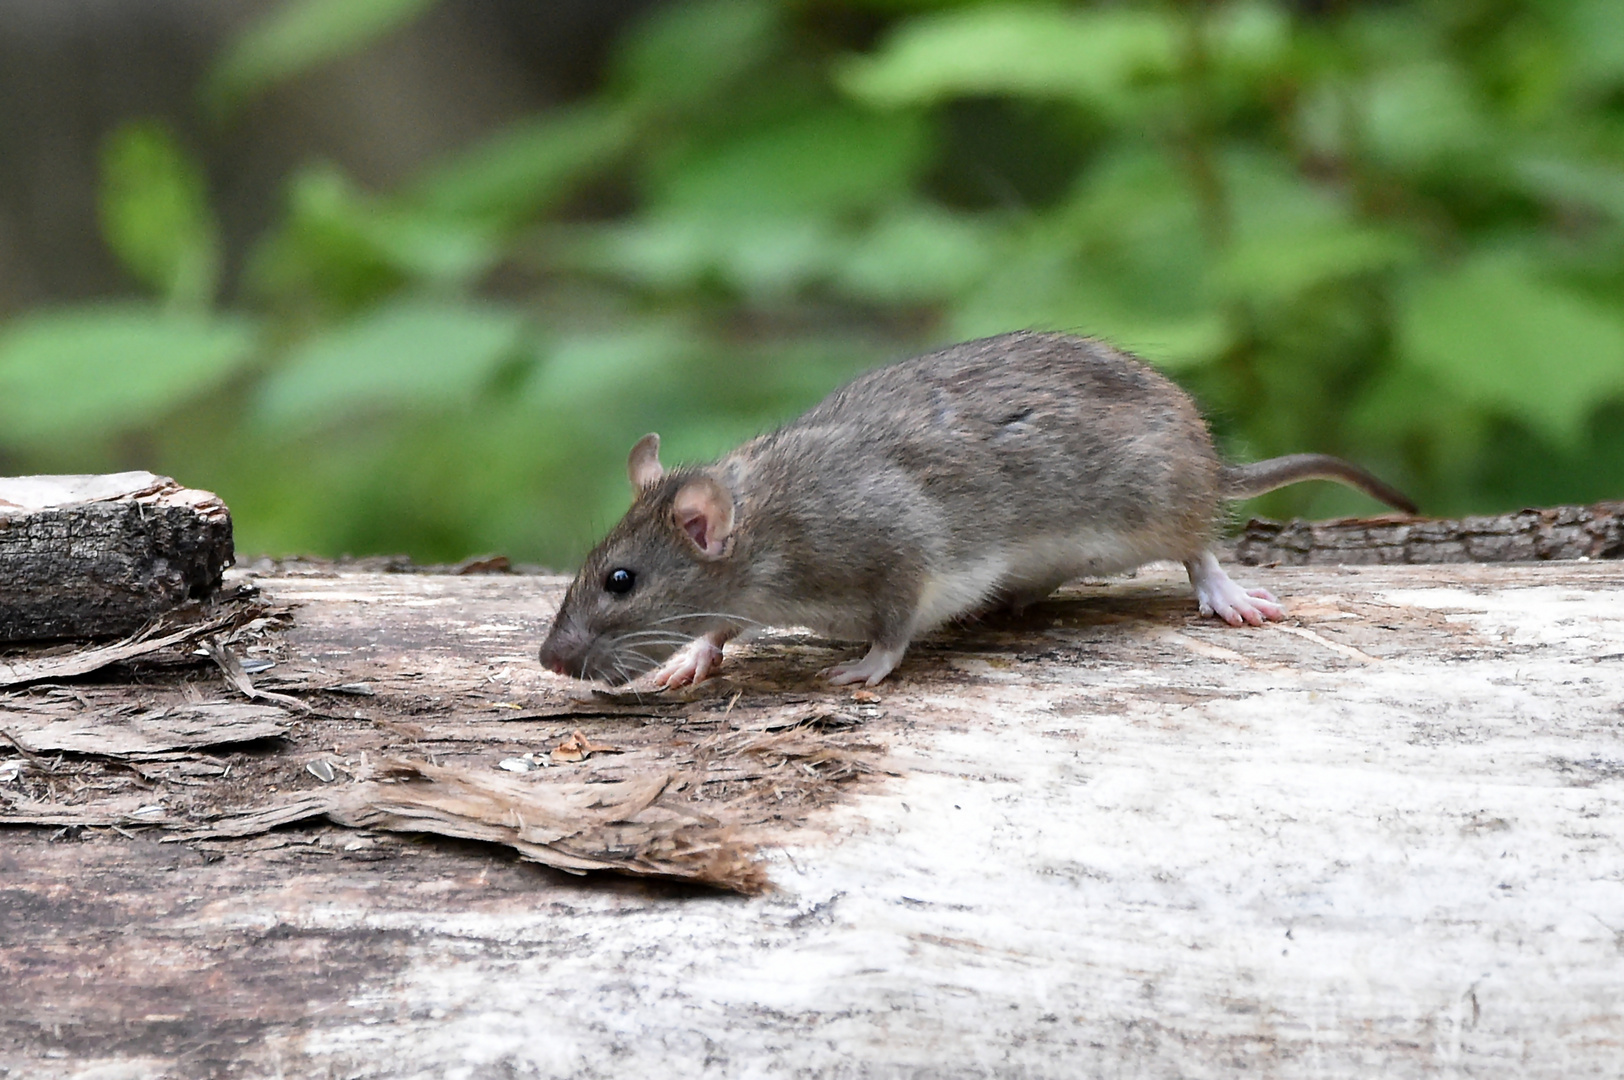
689, 665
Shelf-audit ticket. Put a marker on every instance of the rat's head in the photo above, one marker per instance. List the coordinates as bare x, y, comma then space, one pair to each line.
662, 576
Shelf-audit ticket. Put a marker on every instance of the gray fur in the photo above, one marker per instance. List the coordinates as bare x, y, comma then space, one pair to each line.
986, 473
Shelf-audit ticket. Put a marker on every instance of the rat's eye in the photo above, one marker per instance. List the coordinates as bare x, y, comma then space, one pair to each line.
620, 580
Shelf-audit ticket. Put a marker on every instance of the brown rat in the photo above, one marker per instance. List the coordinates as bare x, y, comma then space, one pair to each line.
985, 474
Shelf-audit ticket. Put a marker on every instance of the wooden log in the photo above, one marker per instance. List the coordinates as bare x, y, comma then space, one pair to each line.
1536, 535
1109, 838
92, 556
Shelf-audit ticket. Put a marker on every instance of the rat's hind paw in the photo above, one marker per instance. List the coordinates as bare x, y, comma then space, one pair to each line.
689, 665
1219, 595
873, 667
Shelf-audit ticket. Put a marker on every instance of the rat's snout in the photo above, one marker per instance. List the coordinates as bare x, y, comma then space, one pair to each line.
565, 652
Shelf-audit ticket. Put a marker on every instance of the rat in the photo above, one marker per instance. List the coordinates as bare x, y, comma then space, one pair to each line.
978, 477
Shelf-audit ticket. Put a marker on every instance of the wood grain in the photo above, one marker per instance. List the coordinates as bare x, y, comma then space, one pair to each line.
1107, 838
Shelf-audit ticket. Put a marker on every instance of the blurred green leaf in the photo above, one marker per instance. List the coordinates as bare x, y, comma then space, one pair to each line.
1139, 230
88, 373
758, 257
1289, 236
1423, 116
1501, 334
1284, 262
1596, 33
602, 369
683, 53
408, 353
825, 161
1598, 185
349, 248
1094, 56
1253, 35
155, 213
1125, 260
918, 253
1045, 288
508, 177
298, 35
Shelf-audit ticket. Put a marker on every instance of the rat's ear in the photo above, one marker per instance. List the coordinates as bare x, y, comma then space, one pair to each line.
703, 512
644, 464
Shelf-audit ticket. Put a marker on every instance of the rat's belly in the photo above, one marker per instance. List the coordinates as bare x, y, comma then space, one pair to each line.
1018, 568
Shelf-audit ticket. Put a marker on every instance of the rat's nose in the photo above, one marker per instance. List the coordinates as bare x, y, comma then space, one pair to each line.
555, 657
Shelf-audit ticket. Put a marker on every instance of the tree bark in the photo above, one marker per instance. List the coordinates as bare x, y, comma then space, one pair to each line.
1558, 532
88, 556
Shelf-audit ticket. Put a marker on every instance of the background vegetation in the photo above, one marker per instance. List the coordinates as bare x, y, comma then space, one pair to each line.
1392, 231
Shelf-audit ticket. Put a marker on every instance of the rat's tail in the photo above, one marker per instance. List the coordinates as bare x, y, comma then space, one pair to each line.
1245, 481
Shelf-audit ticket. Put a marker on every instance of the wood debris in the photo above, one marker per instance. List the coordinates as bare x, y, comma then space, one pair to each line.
578, 748
436, 734
160, 635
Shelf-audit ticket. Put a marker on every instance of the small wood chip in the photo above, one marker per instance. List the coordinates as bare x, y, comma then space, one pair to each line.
578, 748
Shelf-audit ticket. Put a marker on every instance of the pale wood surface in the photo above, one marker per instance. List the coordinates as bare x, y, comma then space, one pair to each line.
1383, 839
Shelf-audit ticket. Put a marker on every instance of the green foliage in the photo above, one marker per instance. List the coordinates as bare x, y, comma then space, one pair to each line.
79, 375
686, 54
509, 177
1393, 231
300, 35
155, 214
1498, 333
1092, 56
405, 353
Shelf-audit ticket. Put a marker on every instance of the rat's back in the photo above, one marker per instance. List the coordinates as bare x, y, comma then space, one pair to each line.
995, 468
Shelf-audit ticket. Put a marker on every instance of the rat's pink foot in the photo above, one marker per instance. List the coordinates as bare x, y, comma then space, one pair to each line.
873, 667
1220, 596
691, 664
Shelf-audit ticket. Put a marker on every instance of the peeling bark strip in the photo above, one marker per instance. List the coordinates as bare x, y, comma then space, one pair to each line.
157, 637
1558, 532
617, 826
100, 555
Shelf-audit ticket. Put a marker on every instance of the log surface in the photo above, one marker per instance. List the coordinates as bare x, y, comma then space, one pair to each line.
1107, 838
100, 555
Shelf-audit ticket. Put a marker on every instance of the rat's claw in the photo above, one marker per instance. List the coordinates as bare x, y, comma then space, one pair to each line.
689, 665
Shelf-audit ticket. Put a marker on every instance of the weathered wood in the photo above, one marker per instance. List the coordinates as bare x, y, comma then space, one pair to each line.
64, 725
100, 555
152, 639
1383, 839
1558, 532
